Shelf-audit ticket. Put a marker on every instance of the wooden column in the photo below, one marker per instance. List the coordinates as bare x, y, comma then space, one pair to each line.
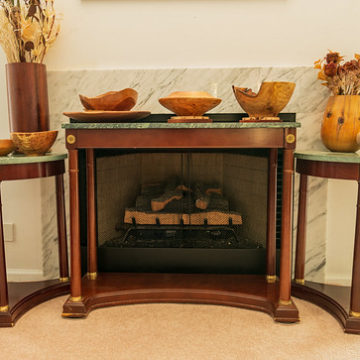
355, 286
271, 217
75, 226
301, 233
285, 255
61, 226
91, 214
4, 299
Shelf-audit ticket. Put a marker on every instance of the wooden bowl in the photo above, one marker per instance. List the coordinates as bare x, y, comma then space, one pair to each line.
6, 147
268, 102
34, 143
189, 103
122, 100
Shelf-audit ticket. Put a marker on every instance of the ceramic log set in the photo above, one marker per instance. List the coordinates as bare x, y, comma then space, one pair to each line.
189, 106
340, 127
267, 103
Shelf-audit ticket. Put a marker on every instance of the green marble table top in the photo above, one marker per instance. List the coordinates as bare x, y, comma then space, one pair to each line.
328, 156
153, 125
23, 159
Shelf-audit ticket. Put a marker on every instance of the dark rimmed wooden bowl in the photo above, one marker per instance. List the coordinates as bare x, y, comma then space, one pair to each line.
123, 100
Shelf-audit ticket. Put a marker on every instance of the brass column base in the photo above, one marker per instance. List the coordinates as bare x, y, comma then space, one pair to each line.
355, 314
91, 275
285, 302
271, 279
75, 298
4, 308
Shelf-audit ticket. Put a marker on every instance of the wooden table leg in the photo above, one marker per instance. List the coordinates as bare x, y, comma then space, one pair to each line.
75, 227
91, 214
301, 233
285, 255
271, 218
4, 299
61, 226
355, 286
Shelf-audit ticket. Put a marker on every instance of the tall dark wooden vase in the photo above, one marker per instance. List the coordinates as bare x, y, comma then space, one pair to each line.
27, 97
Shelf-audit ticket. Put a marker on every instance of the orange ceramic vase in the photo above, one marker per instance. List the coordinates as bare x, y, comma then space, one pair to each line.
341, 123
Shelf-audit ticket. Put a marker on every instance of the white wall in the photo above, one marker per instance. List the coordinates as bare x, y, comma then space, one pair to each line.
188, 33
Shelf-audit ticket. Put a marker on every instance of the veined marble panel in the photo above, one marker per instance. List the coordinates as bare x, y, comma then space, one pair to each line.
309, 138
308, 102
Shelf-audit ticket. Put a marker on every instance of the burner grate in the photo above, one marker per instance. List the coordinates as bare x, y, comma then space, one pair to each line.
200, 237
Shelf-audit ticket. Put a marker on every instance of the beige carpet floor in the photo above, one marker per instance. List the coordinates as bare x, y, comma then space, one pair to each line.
175, 332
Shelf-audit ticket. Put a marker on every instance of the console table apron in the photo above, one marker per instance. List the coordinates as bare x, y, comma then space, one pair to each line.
265, 293
17, 298
334, 299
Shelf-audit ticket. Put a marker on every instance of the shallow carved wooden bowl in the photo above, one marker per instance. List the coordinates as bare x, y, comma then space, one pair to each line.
6, 147
122, 100
34, 143
189, 103
268, 102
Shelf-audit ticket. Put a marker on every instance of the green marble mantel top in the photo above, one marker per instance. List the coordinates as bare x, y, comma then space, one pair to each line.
23, 159
328, 156
153, 125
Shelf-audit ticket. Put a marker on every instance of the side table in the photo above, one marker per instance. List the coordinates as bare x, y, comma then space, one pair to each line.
17, 298
334, 299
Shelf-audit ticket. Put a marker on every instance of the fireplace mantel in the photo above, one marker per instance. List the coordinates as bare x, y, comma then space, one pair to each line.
265, 293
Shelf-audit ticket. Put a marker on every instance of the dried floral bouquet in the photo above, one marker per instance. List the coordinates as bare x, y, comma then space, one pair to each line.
340, 78
27, 29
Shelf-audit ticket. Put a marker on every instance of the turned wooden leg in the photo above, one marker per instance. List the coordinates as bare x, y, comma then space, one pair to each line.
285, 255
271, 218
355, 286
75, 226
61, 226
4, 299
91, 214
301, 233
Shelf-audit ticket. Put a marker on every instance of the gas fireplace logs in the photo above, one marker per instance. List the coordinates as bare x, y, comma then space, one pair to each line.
177, 204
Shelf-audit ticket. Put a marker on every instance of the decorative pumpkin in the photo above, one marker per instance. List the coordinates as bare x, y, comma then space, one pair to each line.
341, 123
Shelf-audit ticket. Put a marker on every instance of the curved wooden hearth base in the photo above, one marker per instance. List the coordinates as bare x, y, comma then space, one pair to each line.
333, 299
247, 291
25, 295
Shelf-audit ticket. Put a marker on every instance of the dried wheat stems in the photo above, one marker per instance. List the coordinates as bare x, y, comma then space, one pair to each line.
27, 29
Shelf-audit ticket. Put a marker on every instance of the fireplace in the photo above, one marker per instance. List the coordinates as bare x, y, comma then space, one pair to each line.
181, 236
135, 259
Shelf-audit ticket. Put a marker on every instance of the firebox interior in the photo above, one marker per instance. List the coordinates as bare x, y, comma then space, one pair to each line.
180, 237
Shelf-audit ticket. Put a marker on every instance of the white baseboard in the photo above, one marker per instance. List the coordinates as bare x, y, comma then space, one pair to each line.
16, 275
338, 280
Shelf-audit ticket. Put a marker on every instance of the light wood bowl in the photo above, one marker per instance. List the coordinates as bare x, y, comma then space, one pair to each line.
6, 147
268, 102
122, 100
34, 143
189, 103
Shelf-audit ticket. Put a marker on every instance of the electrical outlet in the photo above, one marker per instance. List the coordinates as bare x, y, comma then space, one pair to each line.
9, 232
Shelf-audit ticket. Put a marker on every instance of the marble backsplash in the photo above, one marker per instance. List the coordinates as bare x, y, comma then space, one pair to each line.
308, 102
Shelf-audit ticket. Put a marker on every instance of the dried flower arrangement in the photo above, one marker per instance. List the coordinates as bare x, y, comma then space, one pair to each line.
340, 78
27, 29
